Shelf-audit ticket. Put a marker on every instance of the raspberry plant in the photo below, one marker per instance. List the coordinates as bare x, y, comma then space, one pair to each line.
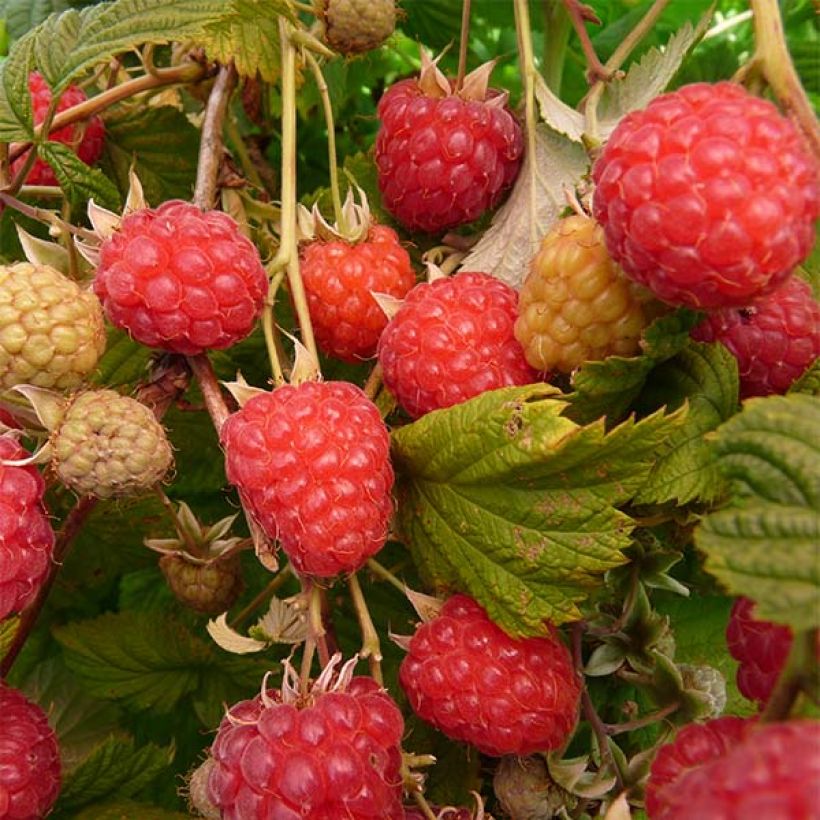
389, 431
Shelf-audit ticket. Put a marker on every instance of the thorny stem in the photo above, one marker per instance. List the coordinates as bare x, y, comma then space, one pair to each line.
324, 95
72, 525
211, 144
463, 43
289, 248
588, 708
527, 59
617, 59
556, 36
45, 216
189, 72
382, 572
800, 662
772, 56
278, 581
371, 647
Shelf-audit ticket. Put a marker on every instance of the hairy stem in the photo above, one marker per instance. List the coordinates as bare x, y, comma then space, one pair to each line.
382, 572
289, 243
327, 107
527, 61
772, 56
211, 144
796, 674
371, 647
463, 43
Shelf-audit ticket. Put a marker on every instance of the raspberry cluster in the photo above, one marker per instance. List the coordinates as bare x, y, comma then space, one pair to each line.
312, 463
26, 537
181, 279
475, 683
451, 340
336, 756
708, 196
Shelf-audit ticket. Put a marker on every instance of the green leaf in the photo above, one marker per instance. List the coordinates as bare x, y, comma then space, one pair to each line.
115, 768
610, 386
8, 628
124, 361
22, 15
150, 660
160, 143
507, 499
809, 382
247, 32
765, 545
16, 118
79, 181
706, 377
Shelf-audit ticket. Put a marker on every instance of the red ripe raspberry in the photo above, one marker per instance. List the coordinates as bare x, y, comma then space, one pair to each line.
29, 758
26, 537
772, 772
312, 463
708, 196
760, 647
84, 138
472, 681
339, 756
443, 161
181, 279
451, 340
774, 340
339, 278
693, 746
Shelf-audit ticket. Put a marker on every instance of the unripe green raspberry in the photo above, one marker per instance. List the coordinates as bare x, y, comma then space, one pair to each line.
709, 682
108, 445
51, 330
209, 587
354, 26
576, 305
526, 791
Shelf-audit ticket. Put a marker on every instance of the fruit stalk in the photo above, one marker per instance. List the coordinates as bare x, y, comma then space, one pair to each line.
463, 42
801, 660
371, 647
210, 146
772, 56
579, 14
206, 378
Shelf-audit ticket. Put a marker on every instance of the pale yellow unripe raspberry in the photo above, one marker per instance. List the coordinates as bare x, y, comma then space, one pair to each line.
355, 26
576, 305
52, 331
108, 445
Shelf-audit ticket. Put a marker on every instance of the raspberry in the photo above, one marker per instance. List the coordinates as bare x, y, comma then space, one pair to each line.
774, 340
761, 649
84, 138
576, 305
772, 771
709, 683
199, 804
472, 681
693, 746
109, 446
336, 756
526, 791
354, 26
52, 331
26, 537
312, 463
181, 279
708, 196
29, 758
339, 278
444, 160
208, 587
451, 340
